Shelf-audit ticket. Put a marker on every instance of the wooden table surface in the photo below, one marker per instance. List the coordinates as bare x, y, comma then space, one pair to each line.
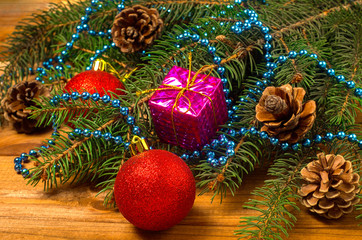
75, 212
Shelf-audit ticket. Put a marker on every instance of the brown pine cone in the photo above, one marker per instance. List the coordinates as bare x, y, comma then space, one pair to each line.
18, 98
135, 28
331, 186
283, 113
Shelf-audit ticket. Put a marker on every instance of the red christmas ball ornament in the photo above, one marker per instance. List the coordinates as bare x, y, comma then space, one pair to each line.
95, 81
155, 190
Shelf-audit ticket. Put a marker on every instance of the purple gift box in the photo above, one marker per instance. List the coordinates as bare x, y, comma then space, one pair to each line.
198, 112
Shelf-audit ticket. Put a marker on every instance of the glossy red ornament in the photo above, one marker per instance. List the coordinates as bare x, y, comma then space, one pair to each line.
155, 190
95, 81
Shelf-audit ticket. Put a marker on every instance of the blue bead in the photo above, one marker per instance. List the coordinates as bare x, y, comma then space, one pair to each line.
97, 134
350, 84
232, 132
265, 29
113, 45
307, 143
274, 141
95, 97
352, 137
267, 46
303, 52
75, 36
313, 55
329, 136
263, 135
340, 78
230, 145
210, 154
230, 152
71, 136
195, 38
185, 157
268, 56
24, 157
136, 130
69, 45
243, 131
78, 131
296, 146
88, 68
212, 50
358, 92
215, 144
116, 103
124, 111
331, 72
224, 82
214, 163
341, 135
360, 144
88, 10
18, 168
118, 140
85, 27
204, 42
126, 145
209, 160
25, 172
32, 153
65, 97
74, 95
106, 99
217, 60
322, 64
120, 7
221, 70
247, 26
292, 54
196, 154
79, 29
87, 132
84, 19
130, 120
268, 37
222, 160
107, 136
318, 139
253, 130
17, 160
271, 65
282, 59
285, 146
258, 24
92, 32
226, 92
85, 95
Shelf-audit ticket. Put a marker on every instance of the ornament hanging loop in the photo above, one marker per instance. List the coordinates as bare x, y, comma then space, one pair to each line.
138, 145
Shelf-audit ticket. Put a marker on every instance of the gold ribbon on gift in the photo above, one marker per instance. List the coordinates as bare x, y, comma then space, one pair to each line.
101, 65
190, 83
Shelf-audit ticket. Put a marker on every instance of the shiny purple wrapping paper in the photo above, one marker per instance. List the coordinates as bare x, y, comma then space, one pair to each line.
195, 127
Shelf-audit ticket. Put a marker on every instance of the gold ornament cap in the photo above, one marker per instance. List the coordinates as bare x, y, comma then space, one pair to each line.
138, 145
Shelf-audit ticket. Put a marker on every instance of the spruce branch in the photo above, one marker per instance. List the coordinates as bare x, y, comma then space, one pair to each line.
316, 17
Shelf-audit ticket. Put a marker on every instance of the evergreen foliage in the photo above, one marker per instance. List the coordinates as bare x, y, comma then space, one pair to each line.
331, 29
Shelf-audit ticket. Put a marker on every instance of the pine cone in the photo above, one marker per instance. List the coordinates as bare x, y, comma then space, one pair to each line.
136, 28
331, 186
283, 113
18, 98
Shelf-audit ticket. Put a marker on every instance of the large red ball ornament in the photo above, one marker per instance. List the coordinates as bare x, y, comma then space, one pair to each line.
95, 81
155, 190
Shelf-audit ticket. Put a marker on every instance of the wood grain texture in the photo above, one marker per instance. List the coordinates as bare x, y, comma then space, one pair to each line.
73, 212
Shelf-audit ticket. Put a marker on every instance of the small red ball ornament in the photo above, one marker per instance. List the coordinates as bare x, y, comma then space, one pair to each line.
155, 190
95, 81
